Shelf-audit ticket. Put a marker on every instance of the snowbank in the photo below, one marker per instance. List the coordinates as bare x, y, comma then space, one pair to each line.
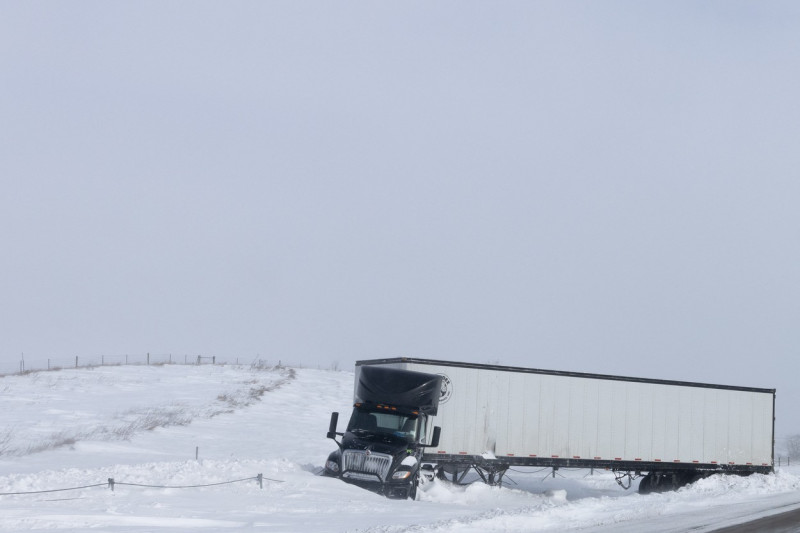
216, 428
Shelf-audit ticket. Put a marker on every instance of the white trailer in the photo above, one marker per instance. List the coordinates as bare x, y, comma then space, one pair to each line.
493, 417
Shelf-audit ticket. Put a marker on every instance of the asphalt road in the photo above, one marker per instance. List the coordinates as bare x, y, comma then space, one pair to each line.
788, 522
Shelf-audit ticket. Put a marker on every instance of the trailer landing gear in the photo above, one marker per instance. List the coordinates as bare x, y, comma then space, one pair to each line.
491, 475
456, 472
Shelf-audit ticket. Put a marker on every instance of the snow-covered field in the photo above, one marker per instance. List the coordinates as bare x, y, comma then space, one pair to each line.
179, 426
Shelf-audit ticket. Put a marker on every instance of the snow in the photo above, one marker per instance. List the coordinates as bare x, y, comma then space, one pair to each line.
184, 425
409, 461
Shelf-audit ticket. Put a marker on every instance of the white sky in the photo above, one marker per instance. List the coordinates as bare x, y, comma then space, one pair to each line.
605, 187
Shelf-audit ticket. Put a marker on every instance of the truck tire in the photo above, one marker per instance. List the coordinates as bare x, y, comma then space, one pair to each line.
412, 491
645, 484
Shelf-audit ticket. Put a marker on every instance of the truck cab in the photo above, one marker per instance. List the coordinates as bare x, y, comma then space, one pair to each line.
381, 448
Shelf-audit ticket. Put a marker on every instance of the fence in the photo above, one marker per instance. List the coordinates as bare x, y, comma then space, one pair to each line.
111, 483
39, 364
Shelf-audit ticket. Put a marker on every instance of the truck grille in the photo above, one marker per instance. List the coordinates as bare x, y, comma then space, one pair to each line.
358, 464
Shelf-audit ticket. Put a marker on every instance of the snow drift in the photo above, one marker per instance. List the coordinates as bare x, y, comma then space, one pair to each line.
216, 428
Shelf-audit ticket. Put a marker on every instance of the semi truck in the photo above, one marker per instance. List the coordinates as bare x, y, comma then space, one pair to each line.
384, 443
489, 418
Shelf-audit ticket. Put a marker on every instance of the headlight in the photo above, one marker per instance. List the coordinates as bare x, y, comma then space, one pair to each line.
333, 466
402, 474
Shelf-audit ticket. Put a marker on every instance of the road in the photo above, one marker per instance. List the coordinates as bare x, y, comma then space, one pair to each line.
788, 522
777, 513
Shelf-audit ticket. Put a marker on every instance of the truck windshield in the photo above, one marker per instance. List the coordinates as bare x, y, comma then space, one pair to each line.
380, 423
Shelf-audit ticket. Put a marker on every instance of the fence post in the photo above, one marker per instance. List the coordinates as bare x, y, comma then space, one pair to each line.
148, 358
76, 361
261, 481
198, 359
213, 359
111, 484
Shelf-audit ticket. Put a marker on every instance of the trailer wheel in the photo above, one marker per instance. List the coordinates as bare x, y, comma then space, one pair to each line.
645, 485
667, 481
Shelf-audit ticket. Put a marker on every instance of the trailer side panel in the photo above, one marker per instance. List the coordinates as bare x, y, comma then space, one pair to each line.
541, 416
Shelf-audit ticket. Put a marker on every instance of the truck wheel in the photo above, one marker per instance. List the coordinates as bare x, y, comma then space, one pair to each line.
412, 492
428, 473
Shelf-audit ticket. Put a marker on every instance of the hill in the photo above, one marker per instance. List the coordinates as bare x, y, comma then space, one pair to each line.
185, 446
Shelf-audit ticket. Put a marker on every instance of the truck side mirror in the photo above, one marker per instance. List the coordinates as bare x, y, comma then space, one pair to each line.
437, 431
332, 427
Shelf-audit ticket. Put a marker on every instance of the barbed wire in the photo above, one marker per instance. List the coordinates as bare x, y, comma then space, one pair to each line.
51, 490
111, 483
115, 483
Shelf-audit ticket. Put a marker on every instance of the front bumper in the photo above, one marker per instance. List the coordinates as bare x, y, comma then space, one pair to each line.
400, 491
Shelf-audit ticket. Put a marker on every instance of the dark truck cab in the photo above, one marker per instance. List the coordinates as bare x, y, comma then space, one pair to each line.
381, 449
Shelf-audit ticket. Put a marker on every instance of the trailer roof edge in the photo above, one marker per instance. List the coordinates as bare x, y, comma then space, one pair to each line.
587, 375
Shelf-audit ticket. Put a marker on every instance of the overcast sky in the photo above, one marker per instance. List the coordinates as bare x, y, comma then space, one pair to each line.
607, 187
